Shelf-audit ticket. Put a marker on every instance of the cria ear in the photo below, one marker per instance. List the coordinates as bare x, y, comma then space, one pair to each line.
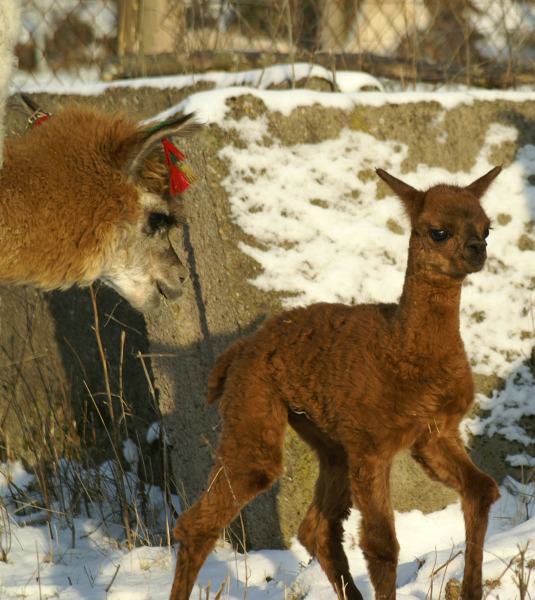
150, 137
480, 186
411, 197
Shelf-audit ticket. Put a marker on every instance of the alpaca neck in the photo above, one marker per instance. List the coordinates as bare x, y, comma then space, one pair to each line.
428, 313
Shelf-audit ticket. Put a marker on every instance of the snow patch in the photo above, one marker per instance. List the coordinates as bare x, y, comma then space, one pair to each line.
131, 454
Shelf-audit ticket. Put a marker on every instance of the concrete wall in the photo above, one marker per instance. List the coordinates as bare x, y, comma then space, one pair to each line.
181, 341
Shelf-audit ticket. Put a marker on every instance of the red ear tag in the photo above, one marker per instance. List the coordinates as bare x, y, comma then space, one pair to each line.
178, 180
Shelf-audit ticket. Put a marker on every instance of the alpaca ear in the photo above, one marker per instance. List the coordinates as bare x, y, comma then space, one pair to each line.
480, 186
151, 137
411, 197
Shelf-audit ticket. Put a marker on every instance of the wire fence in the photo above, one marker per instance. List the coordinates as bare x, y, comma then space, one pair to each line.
486, 42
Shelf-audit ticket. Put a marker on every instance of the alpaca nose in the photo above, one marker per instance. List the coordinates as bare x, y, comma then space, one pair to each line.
170, 285
183, 274
477, 248
169, 292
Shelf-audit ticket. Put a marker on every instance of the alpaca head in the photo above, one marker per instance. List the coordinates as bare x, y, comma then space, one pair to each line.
101, 206
448, 226
144, 267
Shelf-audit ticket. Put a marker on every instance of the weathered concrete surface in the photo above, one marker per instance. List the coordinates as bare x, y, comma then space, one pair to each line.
220, 304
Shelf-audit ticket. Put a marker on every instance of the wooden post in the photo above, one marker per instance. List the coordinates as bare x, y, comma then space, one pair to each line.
335, 22
127, 36
158, 26
148, 28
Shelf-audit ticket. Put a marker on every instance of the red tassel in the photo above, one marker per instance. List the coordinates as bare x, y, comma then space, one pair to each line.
171, 150
40, 119
178, 180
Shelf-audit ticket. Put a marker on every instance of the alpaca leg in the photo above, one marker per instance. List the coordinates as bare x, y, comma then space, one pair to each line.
321, 531
446, 460
249, 460
370, 488
198, 528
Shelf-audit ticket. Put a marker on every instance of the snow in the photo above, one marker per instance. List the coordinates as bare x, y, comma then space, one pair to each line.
210, 104
14, 474
131, 454
506, 408
347, 81
153, 432
81, 558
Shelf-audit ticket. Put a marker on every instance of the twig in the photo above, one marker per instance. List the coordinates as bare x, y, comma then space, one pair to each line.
38, 572
113, 578
450, 559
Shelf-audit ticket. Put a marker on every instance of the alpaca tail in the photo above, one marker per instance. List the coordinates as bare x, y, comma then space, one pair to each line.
218, 375
10, 21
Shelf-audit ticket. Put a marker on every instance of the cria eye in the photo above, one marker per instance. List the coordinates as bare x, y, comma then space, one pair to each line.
439, 235
486, 232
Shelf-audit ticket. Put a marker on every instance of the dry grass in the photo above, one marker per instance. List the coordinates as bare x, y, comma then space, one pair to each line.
70, 478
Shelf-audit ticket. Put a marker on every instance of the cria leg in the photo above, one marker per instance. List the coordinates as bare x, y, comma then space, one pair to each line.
371, 495
445, 459
321, 531
249, 460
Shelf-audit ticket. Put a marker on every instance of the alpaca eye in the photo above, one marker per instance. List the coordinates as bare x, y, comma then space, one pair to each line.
159, 222
439, 235
486, 232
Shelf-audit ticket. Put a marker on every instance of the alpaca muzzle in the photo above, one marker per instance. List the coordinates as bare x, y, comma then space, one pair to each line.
475, 254
169, 292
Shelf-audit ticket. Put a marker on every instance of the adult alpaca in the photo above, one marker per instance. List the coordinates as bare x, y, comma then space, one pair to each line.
85, 196
358, 384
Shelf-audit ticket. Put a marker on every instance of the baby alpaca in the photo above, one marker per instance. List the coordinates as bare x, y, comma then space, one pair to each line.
358, 384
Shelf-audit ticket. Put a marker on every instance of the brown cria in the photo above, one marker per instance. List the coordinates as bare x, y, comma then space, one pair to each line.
84, 196
358, 384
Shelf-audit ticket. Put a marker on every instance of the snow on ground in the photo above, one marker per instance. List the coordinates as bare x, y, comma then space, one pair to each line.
506, 409
91, 564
